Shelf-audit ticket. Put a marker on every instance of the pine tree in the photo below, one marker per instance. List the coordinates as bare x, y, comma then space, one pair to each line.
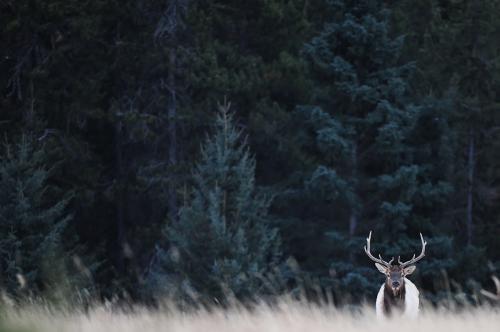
224, 243
370, 172
33, 218
231, 55
457, 51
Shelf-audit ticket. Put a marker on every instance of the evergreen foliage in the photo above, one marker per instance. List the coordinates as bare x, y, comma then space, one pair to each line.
370, 171
362, 115
224, 243
32, 220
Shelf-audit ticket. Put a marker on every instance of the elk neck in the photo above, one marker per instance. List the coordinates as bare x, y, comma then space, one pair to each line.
394, 300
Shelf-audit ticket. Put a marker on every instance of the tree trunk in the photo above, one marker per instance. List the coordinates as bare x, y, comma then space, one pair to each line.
353, 219
120, 222
172, 136
470, 186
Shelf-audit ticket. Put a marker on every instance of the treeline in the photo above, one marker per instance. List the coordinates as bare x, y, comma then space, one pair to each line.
205, 150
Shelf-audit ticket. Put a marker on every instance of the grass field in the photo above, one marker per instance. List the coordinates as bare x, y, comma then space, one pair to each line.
286, 317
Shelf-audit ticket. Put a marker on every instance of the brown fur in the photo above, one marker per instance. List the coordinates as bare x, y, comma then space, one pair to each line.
394, 302
394, 298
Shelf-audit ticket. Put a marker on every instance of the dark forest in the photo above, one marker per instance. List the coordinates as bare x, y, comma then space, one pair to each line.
213, 150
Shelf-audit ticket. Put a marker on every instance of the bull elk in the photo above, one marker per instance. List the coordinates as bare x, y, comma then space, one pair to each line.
397, 294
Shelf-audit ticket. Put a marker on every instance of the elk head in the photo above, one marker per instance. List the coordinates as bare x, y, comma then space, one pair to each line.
395, 274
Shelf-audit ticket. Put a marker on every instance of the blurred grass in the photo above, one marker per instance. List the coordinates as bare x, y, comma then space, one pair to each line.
283, 316
457, 311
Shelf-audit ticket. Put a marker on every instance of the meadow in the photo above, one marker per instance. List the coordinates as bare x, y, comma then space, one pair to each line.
287, 316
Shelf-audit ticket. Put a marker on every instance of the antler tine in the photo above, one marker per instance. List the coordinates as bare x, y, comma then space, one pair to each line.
404, 263
490, 295
497, 285
368, 252
415, 259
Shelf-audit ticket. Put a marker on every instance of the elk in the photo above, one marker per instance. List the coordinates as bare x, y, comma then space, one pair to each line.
397, 294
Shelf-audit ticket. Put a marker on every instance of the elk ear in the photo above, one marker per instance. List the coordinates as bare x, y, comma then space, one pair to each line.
381, 268
409, 270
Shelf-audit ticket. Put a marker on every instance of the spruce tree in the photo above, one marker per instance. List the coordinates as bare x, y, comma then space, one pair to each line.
457, 52
370, 172
33, 218
224, 243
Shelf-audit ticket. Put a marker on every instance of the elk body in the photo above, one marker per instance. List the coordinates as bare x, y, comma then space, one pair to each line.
398, 295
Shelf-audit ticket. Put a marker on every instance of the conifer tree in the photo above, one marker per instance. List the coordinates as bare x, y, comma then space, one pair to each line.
224, 243
456, 51
33, 218
370, 171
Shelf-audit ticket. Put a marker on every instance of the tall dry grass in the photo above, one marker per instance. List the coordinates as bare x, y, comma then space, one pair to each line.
284, 317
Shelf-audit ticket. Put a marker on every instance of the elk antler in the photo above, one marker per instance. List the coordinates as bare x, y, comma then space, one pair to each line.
414, 259
495, 297
377, 260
